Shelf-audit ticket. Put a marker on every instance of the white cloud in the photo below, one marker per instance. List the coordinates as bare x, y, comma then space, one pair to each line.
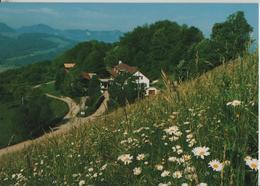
22, 11
90, 14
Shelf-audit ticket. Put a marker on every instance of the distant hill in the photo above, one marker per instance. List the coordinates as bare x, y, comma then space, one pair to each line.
73, 34
39, 28
87, 35
29, 48
18, 49
30, 44
5, 28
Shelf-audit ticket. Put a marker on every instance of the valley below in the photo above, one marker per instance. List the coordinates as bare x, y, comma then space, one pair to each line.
31, 44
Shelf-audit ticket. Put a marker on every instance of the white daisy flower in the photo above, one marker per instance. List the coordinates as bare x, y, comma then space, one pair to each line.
177, 174
159, 167
234, 103
125, 158
165, 173
247, 158
201, 152
186, 157
178, 147
252, 163
82, 182
172, 159
192, 142
171, 130
216, 165
140, 157
179, 151
137, 171
189, 136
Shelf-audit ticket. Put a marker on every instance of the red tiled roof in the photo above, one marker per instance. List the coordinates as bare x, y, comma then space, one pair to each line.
85, 75
69, 65
125, 67
113, 73
122, 67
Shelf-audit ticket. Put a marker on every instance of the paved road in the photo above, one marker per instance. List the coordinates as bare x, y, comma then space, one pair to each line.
72, 123
74, 108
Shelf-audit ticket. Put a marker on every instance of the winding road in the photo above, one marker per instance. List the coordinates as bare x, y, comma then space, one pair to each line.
74, 108
71, 123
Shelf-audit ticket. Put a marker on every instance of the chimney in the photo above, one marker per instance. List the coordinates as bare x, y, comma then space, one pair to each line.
119, 62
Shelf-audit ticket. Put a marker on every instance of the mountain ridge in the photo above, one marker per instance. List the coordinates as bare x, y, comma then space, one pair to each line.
74, 34
5, 28
30, 44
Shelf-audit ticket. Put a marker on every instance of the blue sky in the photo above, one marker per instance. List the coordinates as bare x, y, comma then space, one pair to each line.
123, 17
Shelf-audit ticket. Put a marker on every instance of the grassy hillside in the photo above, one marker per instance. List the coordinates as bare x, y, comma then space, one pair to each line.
154, 141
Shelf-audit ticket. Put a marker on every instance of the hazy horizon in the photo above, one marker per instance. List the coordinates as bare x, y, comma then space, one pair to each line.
122, 16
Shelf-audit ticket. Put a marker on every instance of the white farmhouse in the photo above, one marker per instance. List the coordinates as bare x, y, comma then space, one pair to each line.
121, 68
141, 78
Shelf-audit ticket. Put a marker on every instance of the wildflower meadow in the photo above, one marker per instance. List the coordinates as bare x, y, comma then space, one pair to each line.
196, 133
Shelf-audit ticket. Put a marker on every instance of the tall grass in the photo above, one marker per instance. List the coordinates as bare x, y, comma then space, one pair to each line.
153, 142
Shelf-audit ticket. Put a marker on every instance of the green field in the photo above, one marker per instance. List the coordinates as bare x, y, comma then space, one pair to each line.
50, 89
38, 54
59, 108
11, 131
6, 67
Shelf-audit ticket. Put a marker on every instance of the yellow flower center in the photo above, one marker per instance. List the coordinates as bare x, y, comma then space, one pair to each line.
215, 166
201, 153
254, 166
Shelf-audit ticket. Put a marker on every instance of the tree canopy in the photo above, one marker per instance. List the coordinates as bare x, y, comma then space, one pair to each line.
35, 112
158, 46
125, 89
233, 35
